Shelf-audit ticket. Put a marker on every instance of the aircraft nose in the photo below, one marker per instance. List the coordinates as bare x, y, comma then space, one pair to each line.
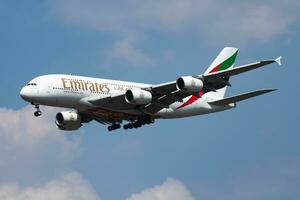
24, 93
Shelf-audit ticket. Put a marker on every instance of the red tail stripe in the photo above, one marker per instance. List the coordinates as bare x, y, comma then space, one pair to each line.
192, 99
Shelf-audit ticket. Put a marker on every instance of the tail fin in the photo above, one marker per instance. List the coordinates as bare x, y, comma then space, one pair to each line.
225, 60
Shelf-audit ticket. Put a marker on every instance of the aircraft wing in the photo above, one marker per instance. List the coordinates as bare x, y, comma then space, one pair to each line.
163, 95
114, 102
242, 69
167, 93
240, 97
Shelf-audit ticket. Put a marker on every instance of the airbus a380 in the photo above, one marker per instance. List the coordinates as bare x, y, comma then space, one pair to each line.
112, 102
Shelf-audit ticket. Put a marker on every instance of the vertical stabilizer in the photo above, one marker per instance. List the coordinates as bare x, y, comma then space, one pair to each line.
225, 60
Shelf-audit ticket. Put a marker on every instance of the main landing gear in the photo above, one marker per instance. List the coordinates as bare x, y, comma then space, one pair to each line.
138, 123
38, 112
114, 127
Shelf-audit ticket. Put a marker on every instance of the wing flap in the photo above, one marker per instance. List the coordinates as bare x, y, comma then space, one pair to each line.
240, 97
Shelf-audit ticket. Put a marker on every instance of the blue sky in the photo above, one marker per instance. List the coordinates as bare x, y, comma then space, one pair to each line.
251, 152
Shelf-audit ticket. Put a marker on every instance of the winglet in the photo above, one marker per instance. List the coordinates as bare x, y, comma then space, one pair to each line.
278, 60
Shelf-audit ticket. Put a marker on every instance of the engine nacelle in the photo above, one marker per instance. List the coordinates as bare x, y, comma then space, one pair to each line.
138, 96
68, 121
189, 84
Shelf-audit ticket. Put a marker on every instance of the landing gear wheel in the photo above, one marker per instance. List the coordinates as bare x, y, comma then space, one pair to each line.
139, 122
37, 113
110, 128
113, 127
130, 126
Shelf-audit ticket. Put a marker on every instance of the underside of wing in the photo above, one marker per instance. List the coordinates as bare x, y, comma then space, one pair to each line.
114, 102
163, 95
241, 97
106, 116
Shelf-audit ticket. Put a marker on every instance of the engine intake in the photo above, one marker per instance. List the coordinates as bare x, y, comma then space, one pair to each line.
189, 84
138, 96
68, 120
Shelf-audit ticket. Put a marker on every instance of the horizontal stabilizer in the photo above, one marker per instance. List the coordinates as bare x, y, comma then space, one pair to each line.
240, 97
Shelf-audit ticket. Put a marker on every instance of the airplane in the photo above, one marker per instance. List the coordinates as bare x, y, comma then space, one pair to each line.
112, 102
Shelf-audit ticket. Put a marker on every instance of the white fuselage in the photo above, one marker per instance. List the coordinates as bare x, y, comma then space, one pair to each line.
71, 91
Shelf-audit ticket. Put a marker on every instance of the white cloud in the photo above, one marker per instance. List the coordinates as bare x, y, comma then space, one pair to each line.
209, 21
269, 180
32, 152
171, 189
70, 186
32, 149
125, 50
214, 19
249, 23
272, 180
21, 128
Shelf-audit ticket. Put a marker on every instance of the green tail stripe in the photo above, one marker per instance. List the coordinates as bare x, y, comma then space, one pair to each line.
228, 63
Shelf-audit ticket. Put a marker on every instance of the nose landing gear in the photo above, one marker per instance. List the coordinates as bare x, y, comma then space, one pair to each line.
38, 112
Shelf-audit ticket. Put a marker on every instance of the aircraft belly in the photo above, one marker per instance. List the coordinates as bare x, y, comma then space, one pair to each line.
197, 108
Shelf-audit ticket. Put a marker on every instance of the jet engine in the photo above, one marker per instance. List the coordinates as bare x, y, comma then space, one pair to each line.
189, 84
138, 96
68, 121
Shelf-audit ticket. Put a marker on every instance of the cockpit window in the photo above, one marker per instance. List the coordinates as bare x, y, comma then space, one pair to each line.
34, 84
